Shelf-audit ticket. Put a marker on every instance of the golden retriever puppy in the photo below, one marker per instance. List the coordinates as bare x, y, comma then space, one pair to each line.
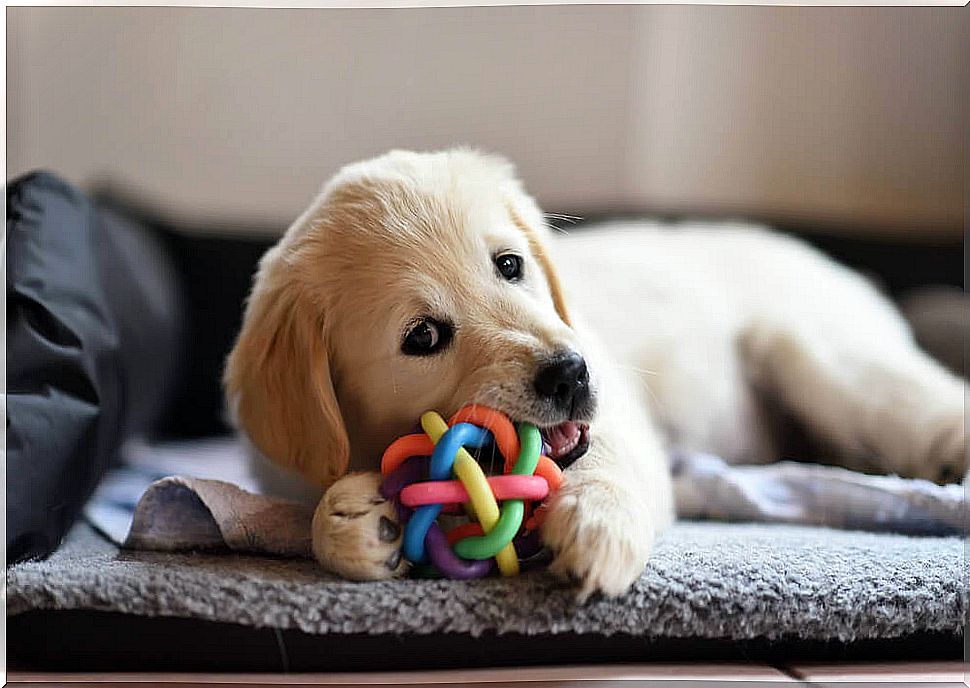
430, 281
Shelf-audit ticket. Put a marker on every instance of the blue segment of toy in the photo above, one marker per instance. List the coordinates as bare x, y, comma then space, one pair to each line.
458, 436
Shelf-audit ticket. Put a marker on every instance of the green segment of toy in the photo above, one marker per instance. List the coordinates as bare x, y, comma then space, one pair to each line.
488, 545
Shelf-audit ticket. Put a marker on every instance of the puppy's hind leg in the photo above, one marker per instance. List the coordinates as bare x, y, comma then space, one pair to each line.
883, 405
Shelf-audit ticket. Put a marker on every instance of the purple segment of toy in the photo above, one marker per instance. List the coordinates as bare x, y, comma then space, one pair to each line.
403, 513
449, 563
532, 553
411, 471
528, 544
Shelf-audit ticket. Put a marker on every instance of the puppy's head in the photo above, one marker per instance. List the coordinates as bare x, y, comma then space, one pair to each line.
414, 282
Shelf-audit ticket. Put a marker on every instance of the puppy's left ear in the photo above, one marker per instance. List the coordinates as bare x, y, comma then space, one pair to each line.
529, 219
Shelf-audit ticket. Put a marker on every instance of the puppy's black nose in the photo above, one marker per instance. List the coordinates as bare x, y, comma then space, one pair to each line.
563, 380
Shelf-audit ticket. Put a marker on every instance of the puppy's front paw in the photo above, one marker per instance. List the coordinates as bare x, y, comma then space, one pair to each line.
928, 439
356, 533
600, 539
947, 457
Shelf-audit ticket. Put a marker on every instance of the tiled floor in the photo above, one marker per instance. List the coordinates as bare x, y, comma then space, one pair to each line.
917, 672
675, 675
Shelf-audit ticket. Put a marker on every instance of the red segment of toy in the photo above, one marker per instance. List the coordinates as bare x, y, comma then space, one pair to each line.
533, 522
465, 530
528, 487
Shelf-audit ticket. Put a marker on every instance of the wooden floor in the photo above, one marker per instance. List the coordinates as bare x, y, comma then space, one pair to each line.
678, 675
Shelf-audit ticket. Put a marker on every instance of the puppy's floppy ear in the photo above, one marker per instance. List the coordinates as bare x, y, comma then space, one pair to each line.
278, 378
533, 231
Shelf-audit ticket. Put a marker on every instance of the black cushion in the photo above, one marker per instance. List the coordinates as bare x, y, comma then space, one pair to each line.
93, 319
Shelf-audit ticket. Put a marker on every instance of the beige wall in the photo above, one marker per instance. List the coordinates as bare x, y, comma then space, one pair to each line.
850, 115
247, 111
839, 116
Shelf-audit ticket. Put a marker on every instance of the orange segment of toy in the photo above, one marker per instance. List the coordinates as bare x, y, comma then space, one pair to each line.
548, 469
403, 448
495, 422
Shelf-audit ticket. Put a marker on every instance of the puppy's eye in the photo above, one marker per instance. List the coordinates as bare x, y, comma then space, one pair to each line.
426, 337
509, 266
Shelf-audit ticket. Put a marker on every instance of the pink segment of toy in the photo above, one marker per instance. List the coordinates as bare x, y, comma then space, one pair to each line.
527, 487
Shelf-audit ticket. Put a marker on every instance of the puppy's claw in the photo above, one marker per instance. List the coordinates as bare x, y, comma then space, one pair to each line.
389, 530
393, 561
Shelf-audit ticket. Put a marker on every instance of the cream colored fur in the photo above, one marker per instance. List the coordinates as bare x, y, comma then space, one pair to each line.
688, 332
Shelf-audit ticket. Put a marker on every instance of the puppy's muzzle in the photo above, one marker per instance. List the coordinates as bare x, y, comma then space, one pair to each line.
562, 381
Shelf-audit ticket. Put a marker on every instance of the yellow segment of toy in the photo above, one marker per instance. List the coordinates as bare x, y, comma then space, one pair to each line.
479, 493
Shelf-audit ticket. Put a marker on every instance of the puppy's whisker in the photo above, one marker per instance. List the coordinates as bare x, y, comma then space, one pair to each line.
655, 400
477, 455
642, 371
571, 219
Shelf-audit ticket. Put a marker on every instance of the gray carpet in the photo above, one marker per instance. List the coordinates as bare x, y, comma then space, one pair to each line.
706, 580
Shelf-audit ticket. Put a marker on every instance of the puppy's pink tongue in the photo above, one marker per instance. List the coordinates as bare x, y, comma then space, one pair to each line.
562, 438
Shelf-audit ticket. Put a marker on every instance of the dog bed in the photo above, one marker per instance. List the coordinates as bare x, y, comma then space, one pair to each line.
713, 590
710, 589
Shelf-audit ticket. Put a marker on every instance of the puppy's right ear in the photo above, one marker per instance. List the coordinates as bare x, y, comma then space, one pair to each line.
278, 378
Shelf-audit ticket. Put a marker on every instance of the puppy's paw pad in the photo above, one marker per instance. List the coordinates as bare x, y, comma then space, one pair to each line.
356, 533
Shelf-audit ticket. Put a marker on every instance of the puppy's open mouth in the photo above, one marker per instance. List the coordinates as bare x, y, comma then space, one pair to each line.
566, 442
